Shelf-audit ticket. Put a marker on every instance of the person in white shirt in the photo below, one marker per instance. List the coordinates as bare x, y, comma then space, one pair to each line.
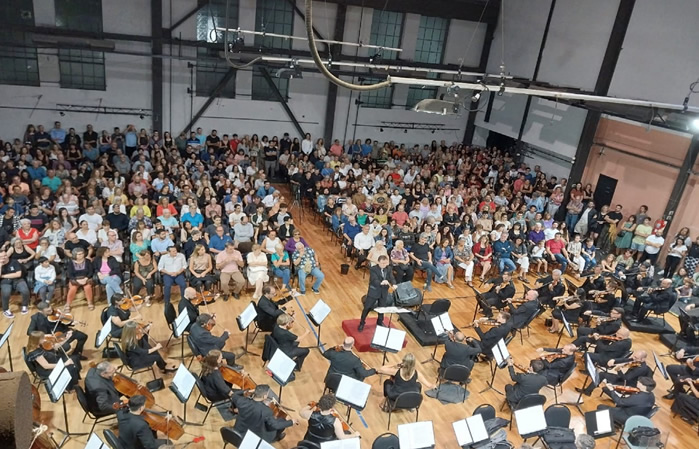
654, 243
44, 279
94, 221
575, 255
307, 144
172, 266
363, 242
87, 234
236, 216
550, 233
410, 176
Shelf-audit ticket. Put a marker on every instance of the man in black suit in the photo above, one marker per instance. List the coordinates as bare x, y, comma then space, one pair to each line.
502, 290
657, 301
594, 282
688, 368
255, 416
288, 341
621, 372
522, 313
615, 348
343, 361
607, 327
459, 350
380, 279
640, 403
205, 341
530, 382
40, 322
186, 304
100, 391
496, 333
550, 287
134, 431
556, 368
268, 310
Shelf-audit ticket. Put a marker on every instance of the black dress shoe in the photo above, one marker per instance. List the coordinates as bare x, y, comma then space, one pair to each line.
583, 391
237, 367
669, 396
360, 328
82, 357
379, 323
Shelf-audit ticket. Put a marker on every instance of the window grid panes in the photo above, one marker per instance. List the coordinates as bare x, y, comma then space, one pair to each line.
213, 16
261, 90
386, 30
274, 16
381, 98
83, 15
429, 49
80, 69
18, 63
209, 75
209, 71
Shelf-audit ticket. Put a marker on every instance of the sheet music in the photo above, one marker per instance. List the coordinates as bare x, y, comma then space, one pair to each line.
59, 387
56, 371
281, 366
184, 381
348, 443
94, 442
530, 420
446, 321
7, 334
389, 338
247, 316
590, 366
181, 323
391, 309
603, 421
500, 352
320, 311
470, 430
442, 324
104, 333
658, 364
417, 435
353, 391
252, 441
567, 327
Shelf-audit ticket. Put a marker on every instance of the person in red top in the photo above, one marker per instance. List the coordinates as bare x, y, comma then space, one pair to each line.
487, 201
555, 248
336, 148
401, 216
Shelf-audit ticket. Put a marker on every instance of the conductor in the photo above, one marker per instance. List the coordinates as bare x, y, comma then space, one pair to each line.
380, 279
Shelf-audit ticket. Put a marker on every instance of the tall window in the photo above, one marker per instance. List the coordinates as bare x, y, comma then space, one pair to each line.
431, 40
272, 16
386, 30
211, 71
381, 98
18, 63
81, 69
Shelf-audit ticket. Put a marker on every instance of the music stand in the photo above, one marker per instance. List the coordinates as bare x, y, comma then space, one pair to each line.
681, 315
442, 325
252, 441
417, 435
567, 327
592, 375
56, 385
104, 333
353, 393
95, 442
660, 367
179, 327
318, 313
482, 304
500, 354
599, 423
531, 421
5, 338
470, 431
183, 385
244, 320
387, 339
347, 443
280, 367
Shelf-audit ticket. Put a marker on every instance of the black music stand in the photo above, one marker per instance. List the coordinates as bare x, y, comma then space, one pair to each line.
387, 339
500, 355
5, 339
592, 375
56, 386
318, 313
179, 326
95, 442
281, 367
567, 327
442, 326
352, 393
482, 304
183, 385
660, 367
244, 320
599, 423
471, 432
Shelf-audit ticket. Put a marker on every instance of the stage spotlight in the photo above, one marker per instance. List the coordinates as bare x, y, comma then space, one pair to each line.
375, 58
476, 97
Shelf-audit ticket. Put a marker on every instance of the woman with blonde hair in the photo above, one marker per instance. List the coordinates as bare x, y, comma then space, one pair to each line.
404, 378
257, 270
138, 350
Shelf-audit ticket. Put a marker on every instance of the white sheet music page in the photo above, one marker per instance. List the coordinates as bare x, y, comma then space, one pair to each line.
281, 365
603, 421
530, 420
477, 427
56, 371
396, 337
181, 322
463, 435
7, 334
348, 443
247, 316
437, 325
94, 442
320, 311
104, 332
380, 336
446, 322
417, 435
503, 349
353, 391
184, 381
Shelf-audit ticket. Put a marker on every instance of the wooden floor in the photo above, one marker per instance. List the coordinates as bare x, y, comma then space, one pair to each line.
343, 294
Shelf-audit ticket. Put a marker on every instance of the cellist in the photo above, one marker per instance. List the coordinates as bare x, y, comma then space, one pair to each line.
134, 431
323, 421
100, 390
215, 387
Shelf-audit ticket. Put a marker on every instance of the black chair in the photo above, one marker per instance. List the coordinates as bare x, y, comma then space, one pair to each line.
31, 366
557, 416
526, 325
125, 363
195, 350
527, 401
97, 418
559, 384
170, 317
486, 411
332, 382
455, 373
268, 349
386, 441
112, 439
207, 402
405, 401
438, 307
230, 436
305, 444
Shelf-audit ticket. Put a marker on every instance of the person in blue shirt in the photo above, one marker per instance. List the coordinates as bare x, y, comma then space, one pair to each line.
194, 217
265, 190
537, 201
502, 249
217, 242
193, 141
366, 148
51, 181
58, 135
350, 230
356, 148
161, 243
201, 137
91, 153
36, 171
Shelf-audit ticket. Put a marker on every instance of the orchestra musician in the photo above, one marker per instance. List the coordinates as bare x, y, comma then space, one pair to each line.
594, 282
605, 326
550, 287
40, 322
404, 378
100, 391
134, 431
604, 300
519, 315
611, 347
215, 387
502, 290
43, 355
642, 280
687, 404
638, 403
343, 361
656, 300
205, 341
623, 371
186, 304
689, 325
459, 350
119, 313
323, 421
530, 382
568, 306
490, 338
288, 341
138, 349
687, 369
267, 309
380, 279
256, 416
557, 363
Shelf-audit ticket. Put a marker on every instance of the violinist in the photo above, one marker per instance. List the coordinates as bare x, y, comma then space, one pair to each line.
640, 403
404, 378
459, 350
138, 349
527, 383
43, 355
134, 431
120, 314
502, 290
40, 321
288, 341
490, 338
215, 387
605, 326
344, 362
594, 282
608, 347
557, 362
687, 404
659, 300
625, 371
568, 306
519, 315
186, 304
267, 309
206, 341
604, 300
550, 287
323, 421
100, 390
688, 368
256, 416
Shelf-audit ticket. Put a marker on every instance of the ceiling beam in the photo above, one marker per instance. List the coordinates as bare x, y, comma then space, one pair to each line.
183, 19
448, 9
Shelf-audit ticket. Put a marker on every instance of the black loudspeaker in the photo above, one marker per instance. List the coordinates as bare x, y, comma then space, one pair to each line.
604, 192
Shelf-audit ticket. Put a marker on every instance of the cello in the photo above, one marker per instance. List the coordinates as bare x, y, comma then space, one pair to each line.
165, 423
233, 377
129, 387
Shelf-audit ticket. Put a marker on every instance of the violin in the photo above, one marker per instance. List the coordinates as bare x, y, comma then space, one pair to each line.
609, 338
486, 321
345, 427
551, 357
203, 297
624, 389
50, 341
629, 365
133, 301
129, 387
56, 316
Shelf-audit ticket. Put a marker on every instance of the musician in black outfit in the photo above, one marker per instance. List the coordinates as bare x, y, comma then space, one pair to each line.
459, 350
118, 315
603, 300
527, 383
380, 279
556, 368
344, 362
621, 372
40, 322
689, 324
519, 315
139, 351
43, 361
496, 333
100, 391
549, 287
134, 431
688, 368
659, 300
502, 290
215, 387
205, 341
323, 425
288, 341
268, 310
687, 404
605, 326
257, 417
635, 285
594, 282
607, 349
186, 304
640, 403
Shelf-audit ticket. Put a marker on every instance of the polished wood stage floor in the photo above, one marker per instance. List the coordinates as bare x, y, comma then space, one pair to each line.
343, 294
